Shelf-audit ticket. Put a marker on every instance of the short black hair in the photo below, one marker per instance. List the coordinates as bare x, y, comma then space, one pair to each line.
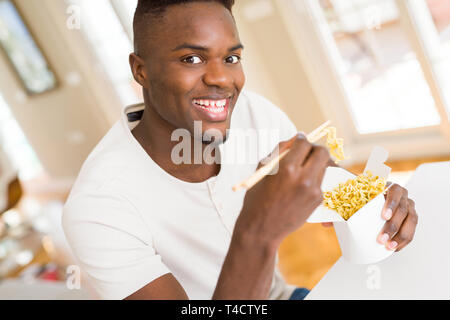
148, 10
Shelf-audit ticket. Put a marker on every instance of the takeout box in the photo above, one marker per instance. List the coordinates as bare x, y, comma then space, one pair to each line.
357, 236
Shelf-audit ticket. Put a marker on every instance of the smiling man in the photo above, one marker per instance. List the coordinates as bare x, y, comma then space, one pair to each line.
144, 226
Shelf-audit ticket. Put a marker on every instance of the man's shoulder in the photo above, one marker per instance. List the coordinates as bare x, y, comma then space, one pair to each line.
256, 100
109, 151
113, 158
256, 111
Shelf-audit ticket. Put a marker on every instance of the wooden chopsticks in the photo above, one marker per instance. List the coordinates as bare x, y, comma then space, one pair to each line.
259, 174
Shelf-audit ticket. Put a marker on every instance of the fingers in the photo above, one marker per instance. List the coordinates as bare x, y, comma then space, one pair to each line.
287, 144
314, 159
331, 163
406, 233
298, 152
317, 162
392, 227
393, 198
388, 183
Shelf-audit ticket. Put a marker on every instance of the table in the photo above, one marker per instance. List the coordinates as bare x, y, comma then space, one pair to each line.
422, 269
12, 289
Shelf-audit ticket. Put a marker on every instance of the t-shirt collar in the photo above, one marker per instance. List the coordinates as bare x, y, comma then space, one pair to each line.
130, 119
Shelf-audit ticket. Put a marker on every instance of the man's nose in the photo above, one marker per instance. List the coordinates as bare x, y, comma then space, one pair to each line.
217, 75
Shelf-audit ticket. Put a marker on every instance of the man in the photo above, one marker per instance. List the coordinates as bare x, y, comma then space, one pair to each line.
145, 226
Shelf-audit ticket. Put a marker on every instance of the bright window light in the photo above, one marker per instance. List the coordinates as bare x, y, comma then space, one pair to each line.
439, 11
16, 145
111, 44
378, 68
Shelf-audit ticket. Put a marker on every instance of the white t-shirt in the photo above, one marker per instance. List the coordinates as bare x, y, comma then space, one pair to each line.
129, 222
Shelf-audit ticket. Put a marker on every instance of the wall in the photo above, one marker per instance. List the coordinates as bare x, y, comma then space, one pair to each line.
272, 65
64, 124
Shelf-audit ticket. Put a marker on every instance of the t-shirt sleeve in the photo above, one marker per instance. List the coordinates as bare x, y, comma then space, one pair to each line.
274, 115
287, 127
272, 123
111, 243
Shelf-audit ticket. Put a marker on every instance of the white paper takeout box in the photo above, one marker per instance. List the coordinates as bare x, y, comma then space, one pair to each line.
358, 235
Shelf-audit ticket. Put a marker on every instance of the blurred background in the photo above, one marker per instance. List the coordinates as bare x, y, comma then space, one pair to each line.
378, 69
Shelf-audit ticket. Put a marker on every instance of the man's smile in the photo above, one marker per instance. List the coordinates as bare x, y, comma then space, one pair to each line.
212, 109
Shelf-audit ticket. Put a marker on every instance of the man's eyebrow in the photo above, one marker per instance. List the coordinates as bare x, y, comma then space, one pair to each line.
201, 48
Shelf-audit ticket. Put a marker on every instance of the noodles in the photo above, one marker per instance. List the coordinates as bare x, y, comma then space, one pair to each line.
352, 195
335, 145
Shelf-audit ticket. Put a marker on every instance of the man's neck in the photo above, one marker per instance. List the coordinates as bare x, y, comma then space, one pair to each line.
154, 135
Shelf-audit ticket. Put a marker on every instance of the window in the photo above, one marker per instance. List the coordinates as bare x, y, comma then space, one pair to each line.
125, 11
16, 146
433, 21
23, 52
103, 28
378, 68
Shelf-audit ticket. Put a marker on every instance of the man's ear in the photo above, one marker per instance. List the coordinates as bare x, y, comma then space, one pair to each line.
138, 69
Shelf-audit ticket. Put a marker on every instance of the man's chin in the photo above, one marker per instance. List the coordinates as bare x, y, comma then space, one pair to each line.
214, 143
210, 132
215, 139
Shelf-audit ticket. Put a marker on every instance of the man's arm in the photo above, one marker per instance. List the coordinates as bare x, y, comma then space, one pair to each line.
246, 274
276, 206
248, 268
165, 287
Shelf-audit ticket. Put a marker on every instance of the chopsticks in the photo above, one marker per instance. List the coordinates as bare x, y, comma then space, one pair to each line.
259, 174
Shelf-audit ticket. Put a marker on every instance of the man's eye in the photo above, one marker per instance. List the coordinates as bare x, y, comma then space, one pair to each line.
233, 59
192, 60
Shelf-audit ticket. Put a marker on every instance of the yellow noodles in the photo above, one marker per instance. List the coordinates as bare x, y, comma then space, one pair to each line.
335, 145
349, 197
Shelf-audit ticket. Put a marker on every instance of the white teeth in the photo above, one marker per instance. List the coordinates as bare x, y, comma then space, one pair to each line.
212, 103
214, 106
214, 110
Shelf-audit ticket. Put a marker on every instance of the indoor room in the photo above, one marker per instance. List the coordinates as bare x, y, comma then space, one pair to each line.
377, 70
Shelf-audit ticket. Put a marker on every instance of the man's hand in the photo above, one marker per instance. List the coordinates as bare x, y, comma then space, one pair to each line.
280, 203
400, 213
276, 206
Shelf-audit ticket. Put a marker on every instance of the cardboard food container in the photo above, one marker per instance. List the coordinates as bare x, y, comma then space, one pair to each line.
358, 235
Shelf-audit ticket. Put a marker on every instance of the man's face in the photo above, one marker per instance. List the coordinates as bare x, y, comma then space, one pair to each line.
193, 68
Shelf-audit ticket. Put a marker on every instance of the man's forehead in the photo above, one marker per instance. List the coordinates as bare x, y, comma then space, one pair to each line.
203, 26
